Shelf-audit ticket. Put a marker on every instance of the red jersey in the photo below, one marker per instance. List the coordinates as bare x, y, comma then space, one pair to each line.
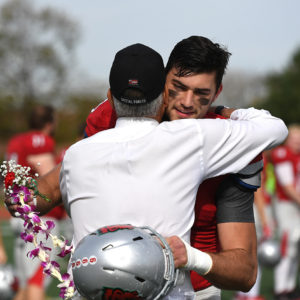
32, 143
204, 231
281, 155
29, 143
101, 118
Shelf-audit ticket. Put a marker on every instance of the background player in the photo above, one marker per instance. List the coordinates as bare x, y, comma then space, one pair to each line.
286, 160
36, 149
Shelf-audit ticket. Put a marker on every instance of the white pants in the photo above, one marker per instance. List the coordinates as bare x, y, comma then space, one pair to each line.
210, 293
288, 215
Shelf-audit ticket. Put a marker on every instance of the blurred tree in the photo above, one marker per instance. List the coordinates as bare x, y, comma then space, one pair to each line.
36, 52
283, 92
240, 88
70, 121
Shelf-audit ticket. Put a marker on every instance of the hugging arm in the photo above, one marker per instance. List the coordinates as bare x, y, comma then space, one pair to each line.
235, 265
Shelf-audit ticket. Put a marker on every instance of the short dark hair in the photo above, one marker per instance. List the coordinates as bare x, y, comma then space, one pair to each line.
198, 54
40, 116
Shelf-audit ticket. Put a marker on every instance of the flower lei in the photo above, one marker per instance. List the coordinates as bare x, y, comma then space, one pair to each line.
20, 186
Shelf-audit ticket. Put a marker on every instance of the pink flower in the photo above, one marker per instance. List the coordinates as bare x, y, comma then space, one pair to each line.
25, 209
34, 217
16, 193
26, 237
46, 228
50, 266
42, 246
62, 292
41, 252
67, 287
37, 229
33, 253
65, 249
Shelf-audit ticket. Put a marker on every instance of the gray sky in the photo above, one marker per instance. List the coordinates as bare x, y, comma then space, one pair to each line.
260, 34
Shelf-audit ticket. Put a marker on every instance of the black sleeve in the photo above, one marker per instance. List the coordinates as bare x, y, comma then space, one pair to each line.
233, 203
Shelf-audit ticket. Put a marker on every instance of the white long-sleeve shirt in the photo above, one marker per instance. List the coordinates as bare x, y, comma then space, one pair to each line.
147, 174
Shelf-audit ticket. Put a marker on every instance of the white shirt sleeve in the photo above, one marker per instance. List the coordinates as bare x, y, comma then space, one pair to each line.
284, 173
229, 145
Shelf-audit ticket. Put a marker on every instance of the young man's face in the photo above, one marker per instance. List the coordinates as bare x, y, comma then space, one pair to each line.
190, 96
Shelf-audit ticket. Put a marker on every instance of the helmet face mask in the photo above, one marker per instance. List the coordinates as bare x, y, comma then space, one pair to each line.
125, 261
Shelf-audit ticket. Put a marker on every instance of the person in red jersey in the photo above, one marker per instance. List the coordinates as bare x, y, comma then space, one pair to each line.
224, 225
286, 160
35, 149
224, 221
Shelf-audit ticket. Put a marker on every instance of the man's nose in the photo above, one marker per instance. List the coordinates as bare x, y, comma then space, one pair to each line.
187, 100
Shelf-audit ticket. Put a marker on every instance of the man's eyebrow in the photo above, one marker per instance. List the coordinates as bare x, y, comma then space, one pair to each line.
180, 83
197, 91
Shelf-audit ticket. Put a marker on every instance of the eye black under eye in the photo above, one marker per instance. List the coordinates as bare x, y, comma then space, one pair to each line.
172, 93
204, 101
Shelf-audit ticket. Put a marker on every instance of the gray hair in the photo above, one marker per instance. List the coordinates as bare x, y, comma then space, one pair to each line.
143, 110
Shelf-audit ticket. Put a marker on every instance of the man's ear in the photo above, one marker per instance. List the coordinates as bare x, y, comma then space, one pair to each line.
166, 97
110, 98
218, 92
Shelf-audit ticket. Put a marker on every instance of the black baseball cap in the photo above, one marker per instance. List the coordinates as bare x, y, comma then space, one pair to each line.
139, 67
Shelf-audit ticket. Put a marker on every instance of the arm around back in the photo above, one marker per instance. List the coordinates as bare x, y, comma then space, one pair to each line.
48, 185
229, 145
235, 265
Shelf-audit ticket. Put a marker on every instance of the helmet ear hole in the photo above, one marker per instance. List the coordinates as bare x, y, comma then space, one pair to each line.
139, 279
107, 247
137, 238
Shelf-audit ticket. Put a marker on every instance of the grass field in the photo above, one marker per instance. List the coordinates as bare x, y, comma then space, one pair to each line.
52, 291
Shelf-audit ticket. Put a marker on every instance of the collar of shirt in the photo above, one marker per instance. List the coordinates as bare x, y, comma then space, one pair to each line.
135, 126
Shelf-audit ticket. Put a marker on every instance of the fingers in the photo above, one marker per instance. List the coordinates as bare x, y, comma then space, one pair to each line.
11, 206
13, 209
178, 251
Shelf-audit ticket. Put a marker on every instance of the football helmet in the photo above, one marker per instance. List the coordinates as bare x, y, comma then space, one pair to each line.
123, 261
8, 282
269, 253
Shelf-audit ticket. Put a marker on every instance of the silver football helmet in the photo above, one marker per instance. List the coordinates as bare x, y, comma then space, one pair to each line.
269, 253
8, 282
123, 261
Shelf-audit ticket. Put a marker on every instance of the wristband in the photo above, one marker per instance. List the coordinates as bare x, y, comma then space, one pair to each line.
219, 109
198, 260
